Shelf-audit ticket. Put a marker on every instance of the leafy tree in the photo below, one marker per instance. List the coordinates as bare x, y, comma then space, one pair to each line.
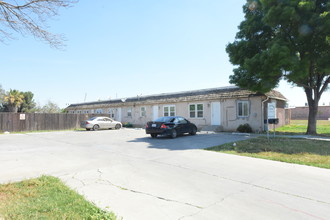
50, 107
28, 104
2, 94
13, 100
29, 16
287, 39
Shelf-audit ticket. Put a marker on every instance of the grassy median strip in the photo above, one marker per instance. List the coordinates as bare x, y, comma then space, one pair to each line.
300, 127
46, 198
291, 150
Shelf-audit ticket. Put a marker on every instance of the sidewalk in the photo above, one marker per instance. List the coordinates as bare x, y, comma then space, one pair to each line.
271, 135
303, 136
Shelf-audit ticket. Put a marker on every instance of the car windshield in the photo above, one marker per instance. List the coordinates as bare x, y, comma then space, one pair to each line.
165, 119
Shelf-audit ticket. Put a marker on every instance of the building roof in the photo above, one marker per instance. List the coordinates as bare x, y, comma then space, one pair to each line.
202, 94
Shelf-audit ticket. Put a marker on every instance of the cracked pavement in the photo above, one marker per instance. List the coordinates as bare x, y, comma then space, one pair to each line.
138, 177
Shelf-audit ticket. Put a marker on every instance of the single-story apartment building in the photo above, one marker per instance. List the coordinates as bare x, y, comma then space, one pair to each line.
224, 107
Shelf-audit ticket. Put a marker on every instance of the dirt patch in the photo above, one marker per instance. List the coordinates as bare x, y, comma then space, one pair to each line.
3, 197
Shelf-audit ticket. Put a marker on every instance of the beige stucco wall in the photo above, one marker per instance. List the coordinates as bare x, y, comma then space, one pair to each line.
230, 117
181, 109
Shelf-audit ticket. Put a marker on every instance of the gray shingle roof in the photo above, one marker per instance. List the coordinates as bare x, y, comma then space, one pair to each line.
207, 94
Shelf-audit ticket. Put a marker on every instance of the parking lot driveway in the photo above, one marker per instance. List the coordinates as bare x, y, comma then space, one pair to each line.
138, 177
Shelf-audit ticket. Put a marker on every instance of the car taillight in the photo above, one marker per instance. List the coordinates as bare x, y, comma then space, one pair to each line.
87, 122
147, 126
163, 126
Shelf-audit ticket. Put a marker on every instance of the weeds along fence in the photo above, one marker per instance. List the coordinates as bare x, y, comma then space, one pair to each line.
14, 122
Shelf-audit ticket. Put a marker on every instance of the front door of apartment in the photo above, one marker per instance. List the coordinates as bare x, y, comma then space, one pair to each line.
118, 114
154, 112
215, 113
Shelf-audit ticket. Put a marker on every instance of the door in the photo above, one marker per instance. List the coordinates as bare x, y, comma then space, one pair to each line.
119, 114
101, 122
215, 113
183, 125
107, 123
154, 112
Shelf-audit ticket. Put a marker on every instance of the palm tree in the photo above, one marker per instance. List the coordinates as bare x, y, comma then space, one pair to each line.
13, 99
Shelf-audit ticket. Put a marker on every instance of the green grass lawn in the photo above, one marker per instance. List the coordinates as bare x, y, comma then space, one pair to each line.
300, 127
291, 150
46, 198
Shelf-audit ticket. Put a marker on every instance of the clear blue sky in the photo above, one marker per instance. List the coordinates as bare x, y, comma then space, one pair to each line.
118, 49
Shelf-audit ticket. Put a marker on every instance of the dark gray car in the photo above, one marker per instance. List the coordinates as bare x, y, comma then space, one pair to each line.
171, 125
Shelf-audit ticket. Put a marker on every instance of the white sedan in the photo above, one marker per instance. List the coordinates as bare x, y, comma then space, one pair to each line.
97, 123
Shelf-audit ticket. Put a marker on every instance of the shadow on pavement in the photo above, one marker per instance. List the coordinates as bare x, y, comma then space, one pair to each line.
188, 142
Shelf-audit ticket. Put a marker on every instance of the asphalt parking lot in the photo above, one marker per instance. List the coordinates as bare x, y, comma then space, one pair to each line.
138, 177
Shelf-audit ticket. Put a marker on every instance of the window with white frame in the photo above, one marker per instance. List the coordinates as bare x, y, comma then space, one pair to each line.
99, 111
129, 112
169, 110
243, 108
112, 112
143, 111
196, 110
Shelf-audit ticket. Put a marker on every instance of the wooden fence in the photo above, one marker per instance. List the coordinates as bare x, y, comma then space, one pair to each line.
14, 122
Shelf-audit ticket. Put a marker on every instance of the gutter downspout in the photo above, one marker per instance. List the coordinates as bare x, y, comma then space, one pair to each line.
262, 114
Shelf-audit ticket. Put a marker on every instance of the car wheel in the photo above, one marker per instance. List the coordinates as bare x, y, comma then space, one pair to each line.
153, 135
193, 131
118, 126
174, 133
96, 127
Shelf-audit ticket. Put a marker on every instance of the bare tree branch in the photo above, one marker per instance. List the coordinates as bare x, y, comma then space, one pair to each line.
325, 85
29, 17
